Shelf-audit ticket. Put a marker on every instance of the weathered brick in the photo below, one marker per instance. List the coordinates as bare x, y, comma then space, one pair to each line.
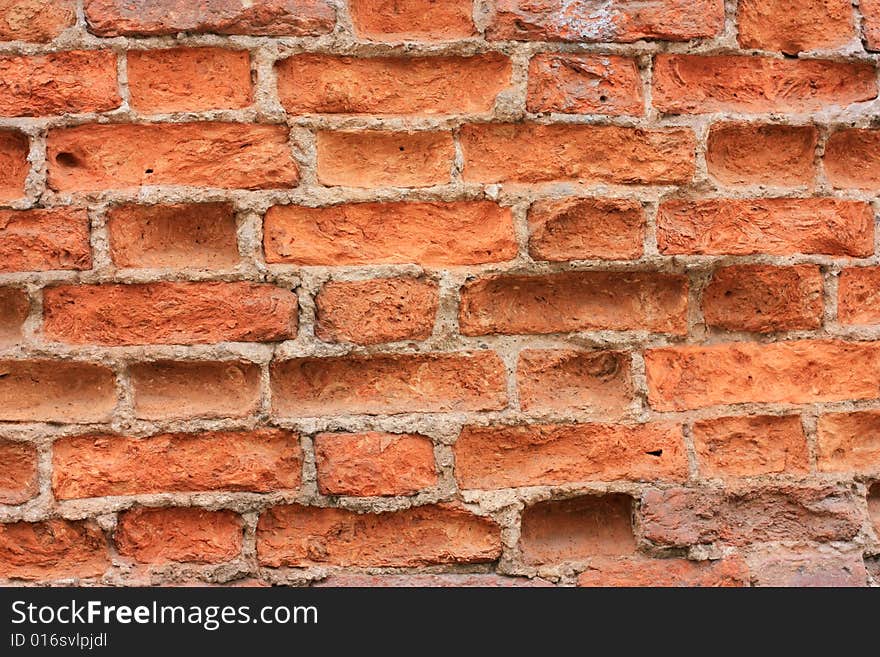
429, 580
226, 155
177, 236
373, 158
58, 83
750, 446
585, 84
377, 310
169, 313
595, 20
773, 226
14, 309
574, 301
764, 298
43, 240
155, 535
549, 455
165, 390
52, 549
373, 463
852, 159
430, 234
302, 536
578, 528
257, 17
871, 23
641, 572
795, 372
598, 382
56, 391
328, 84
874, 508
793, 567
259, 461
412, 20
755, 154
380, 384
531, 153
702, 84
741, 516
586, 228
18, 476
14, 166
793, 28
189, 79
849, 442
858, 296
35, 20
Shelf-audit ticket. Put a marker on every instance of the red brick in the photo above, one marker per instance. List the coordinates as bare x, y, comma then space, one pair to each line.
14, 309
225, 155
189, 79
56, 391
874, 508
176, 236
35, 20
43, 240
852, 159
53, 549
750, 446
871, 23
260, 461
428, 580
808, 25
18, 477
795, 372
742, 516
755, 154
374, 385
764, 298
314, 83
597, 382
577, 529
376, 310
372, 464
585, 84
775, 226
849, 442
169, 313
530, 153
551, 455
58, 83
412, 20
14, 165
430, 234
586, 228
304, 536
574, 301
594, 21
256, 17
858, 296
373, 158
805, 567
165, 390
634, 572
698, 84
178, 534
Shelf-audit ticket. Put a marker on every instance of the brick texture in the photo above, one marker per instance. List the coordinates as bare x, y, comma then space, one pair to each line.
439, 292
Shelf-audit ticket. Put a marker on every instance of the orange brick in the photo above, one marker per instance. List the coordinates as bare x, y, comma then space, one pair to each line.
374, 158
189, 79
852, 159
871, 23
810, 25
640, 572
849, 442
14, 309
18, 477
698, 84
551, 455
412, 20
35, 20
14, 165
858, 296
43, 240
796, 372
372, 464
327, 84
585, 84
53, 549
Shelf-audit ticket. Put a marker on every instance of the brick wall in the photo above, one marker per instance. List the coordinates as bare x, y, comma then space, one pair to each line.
439, 292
